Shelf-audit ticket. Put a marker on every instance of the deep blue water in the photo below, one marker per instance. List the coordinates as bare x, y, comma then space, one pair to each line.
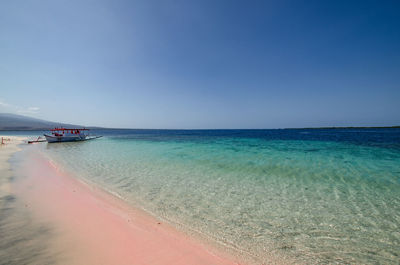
384, 137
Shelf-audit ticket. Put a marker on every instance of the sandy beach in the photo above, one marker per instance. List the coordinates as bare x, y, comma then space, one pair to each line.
8, 146
86, 225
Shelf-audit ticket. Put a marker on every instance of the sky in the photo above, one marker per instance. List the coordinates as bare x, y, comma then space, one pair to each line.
201, 64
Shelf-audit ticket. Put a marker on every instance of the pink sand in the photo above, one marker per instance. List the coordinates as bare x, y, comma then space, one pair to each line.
94, 227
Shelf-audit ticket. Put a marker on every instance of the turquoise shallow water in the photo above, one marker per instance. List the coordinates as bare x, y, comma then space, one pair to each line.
306, 195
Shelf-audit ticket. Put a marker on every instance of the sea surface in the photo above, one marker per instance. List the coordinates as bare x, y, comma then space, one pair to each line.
315, 195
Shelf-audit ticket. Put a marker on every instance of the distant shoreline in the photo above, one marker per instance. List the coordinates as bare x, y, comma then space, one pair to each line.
346, 127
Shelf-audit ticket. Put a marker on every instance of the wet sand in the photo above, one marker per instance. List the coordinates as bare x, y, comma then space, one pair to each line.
23, 240
79, 224
7, 149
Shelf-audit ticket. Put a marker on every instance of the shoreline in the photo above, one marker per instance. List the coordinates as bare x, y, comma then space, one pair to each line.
86, 219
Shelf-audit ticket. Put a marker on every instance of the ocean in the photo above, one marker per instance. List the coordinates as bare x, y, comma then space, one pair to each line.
315, 195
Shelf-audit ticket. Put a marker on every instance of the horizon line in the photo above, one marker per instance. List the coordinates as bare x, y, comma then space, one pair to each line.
221, 129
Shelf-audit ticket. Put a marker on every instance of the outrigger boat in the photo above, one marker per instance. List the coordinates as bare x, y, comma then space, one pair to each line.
68, 135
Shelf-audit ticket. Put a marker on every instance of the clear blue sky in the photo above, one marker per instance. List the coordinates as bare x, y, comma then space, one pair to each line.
202, 64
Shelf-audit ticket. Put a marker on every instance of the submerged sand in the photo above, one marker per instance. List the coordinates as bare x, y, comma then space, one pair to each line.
61, 220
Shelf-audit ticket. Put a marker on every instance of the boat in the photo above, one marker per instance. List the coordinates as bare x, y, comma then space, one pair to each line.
68, 135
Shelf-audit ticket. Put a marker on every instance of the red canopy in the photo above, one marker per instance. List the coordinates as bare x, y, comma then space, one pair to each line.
66, 129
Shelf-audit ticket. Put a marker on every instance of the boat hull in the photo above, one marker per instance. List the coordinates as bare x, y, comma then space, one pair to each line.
64, 138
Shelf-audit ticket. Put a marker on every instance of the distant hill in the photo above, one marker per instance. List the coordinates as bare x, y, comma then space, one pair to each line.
9, 121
